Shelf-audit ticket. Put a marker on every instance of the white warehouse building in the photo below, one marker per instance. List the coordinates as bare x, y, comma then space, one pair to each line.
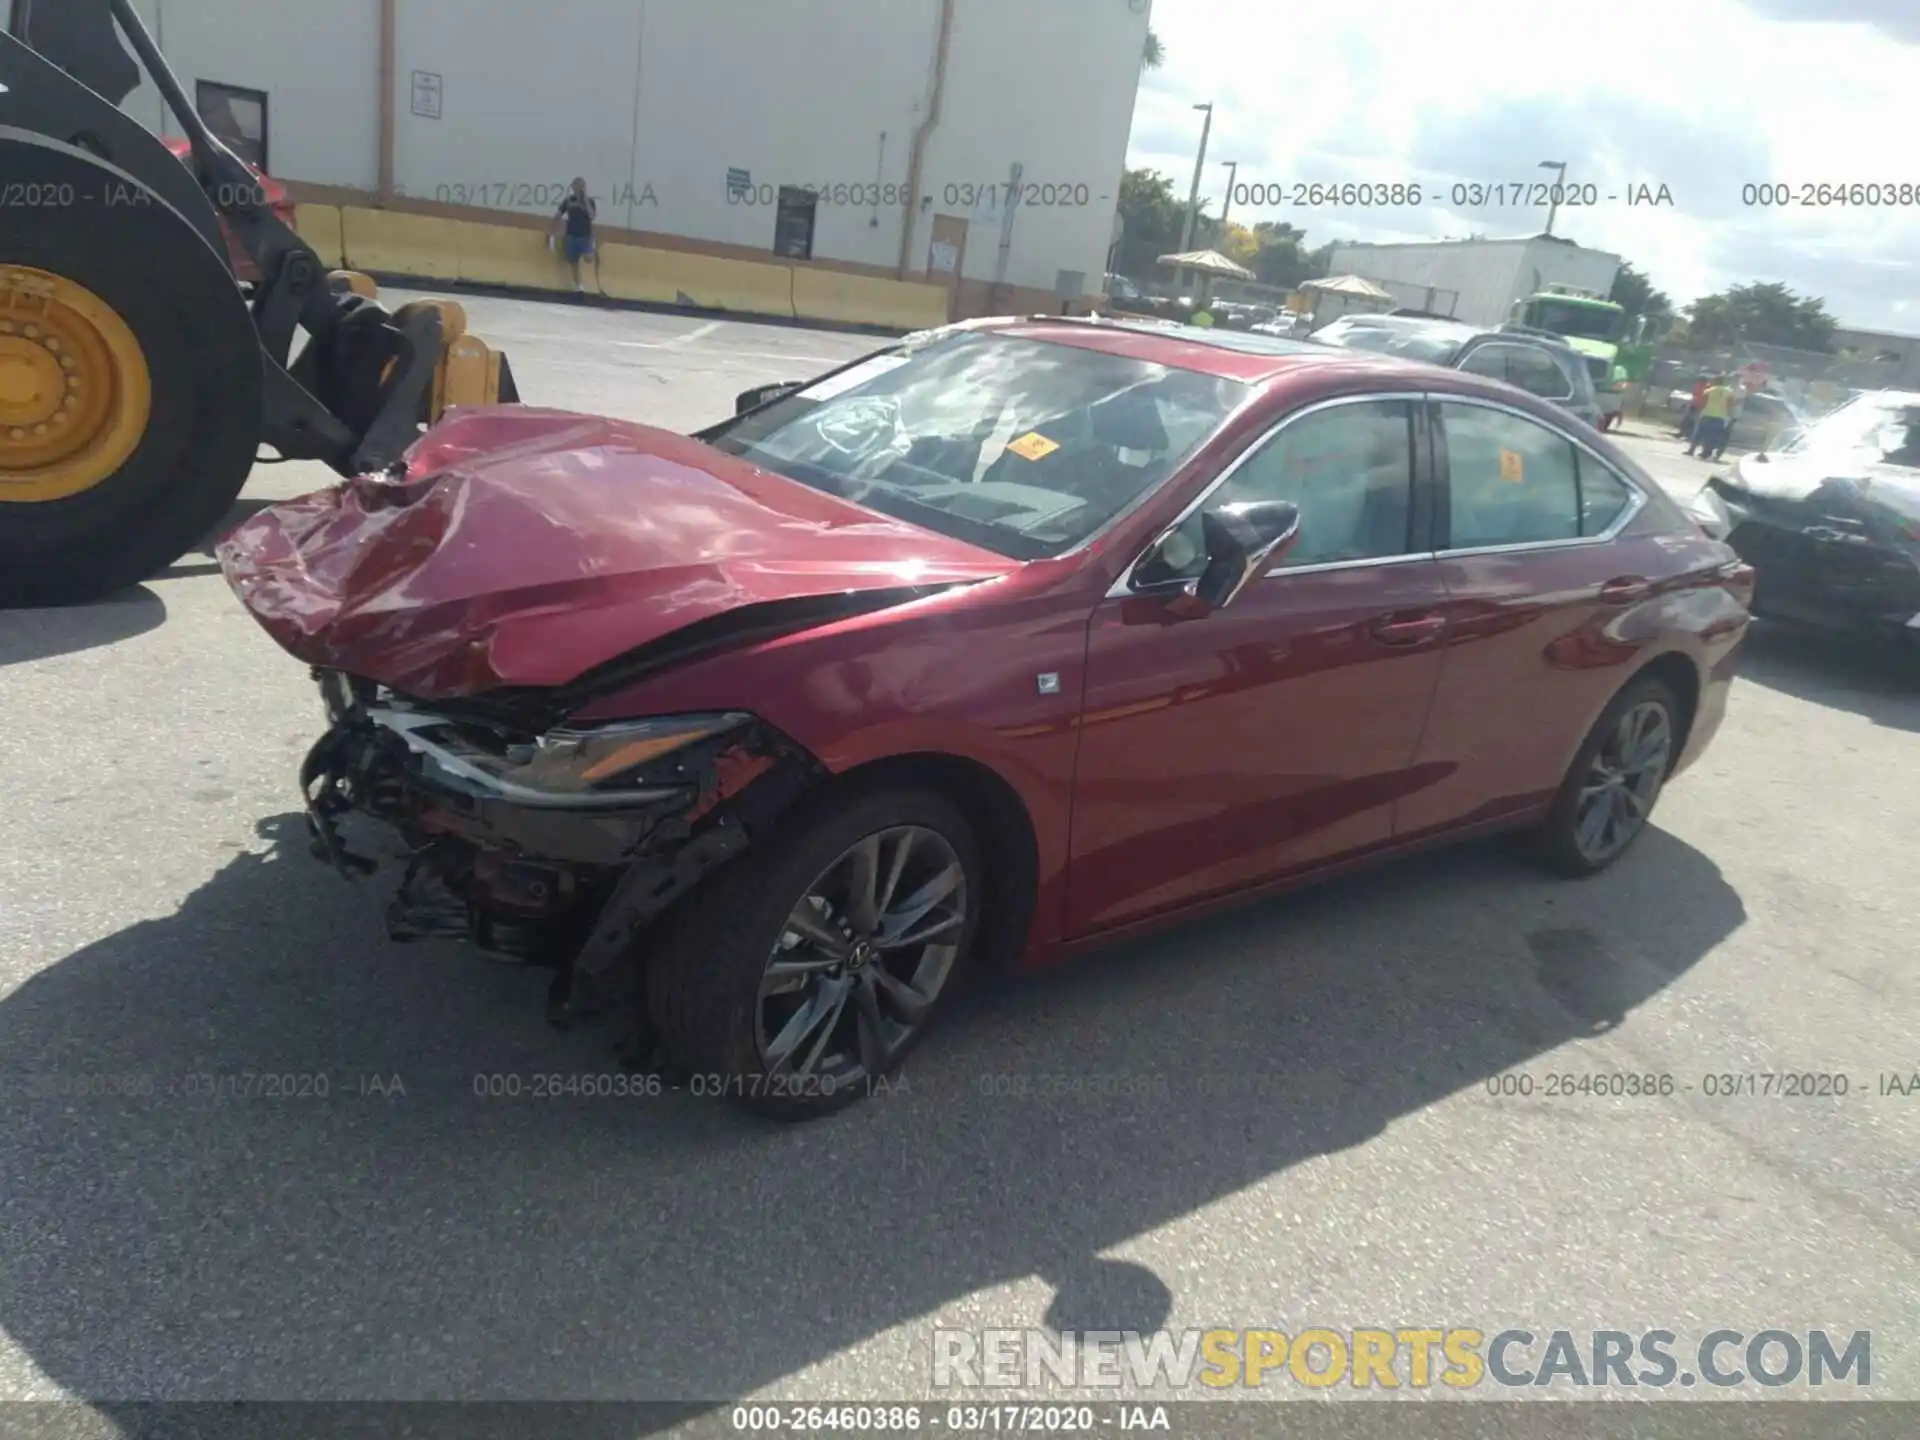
701, 123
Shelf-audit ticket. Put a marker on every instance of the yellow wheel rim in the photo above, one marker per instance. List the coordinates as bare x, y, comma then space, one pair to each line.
75, 392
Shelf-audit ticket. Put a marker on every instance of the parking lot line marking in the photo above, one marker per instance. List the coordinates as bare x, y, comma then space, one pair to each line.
699, 332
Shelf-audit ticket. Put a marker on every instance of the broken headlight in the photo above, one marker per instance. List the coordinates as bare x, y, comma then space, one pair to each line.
624, 763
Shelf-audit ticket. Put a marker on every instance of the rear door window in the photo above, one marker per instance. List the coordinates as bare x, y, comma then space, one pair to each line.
1510, 480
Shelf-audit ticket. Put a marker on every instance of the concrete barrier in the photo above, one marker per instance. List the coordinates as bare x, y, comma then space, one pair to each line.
392, 242
319, 226
402, 243
679, 277
867, 300
508, 255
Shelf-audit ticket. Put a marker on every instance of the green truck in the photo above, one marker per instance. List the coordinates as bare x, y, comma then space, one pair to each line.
1599, 329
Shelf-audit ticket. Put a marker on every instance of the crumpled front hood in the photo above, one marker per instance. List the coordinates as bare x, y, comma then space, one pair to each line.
1797, 477
526, 546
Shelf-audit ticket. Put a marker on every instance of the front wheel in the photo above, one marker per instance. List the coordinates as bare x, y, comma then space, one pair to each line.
799, 978
1610, 789
130, 379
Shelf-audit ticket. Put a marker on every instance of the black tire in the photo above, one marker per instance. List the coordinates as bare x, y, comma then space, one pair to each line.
1559, 842
706, 968
149, 264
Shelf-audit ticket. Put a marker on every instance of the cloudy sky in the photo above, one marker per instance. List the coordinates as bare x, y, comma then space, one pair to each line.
1703, 98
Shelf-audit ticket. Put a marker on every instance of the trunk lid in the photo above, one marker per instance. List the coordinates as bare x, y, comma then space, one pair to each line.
525, 546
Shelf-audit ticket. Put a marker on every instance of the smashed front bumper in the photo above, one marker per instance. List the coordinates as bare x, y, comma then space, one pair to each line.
566, 881
1822, 568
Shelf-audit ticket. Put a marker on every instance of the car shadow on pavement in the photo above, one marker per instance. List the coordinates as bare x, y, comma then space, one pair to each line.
41, 634
1880, 682
228, 1232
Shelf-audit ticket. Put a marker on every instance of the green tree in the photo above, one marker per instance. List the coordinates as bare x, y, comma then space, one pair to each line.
1153, 55
1761, 314
1151, 217
1633, 292
1281, 256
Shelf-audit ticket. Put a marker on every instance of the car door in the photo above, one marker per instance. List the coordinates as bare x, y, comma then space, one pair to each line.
1220, 749
1526, 524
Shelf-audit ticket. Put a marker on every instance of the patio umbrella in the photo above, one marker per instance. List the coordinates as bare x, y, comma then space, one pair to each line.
1355, 285
1210, 263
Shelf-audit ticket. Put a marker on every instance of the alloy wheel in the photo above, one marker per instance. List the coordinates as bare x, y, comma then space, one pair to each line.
863, 957
1623, 781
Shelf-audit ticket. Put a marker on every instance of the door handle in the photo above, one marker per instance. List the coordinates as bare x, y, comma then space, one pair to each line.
1624, 590
1409, 630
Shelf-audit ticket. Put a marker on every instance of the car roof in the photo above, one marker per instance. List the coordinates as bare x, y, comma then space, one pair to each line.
1458, 331
1247, 356
1230, 354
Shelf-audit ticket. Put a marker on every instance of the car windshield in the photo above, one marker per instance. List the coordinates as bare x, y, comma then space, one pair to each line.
1582, 322
1411, 341
1874, 425
1022, 447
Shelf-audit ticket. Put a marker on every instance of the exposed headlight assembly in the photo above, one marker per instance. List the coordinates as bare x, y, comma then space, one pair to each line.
594, 767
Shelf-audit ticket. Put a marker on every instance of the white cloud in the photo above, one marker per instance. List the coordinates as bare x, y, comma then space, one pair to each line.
1705, 98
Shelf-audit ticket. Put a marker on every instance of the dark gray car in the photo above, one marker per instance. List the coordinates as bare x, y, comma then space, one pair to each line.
1533, 363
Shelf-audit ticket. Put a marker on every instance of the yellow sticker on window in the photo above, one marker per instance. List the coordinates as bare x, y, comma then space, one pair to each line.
1513, 469
1033, 446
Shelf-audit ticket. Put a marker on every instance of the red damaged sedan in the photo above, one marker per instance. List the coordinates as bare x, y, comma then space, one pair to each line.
1014, 637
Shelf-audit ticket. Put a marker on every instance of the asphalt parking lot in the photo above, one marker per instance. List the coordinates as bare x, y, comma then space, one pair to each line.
1279, 1117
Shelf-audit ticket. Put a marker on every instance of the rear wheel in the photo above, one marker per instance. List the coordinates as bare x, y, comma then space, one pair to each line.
802, 975
130, 379
1610, 789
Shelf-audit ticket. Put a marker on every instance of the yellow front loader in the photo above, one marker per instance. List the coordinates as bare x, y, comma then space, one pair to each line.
138, 379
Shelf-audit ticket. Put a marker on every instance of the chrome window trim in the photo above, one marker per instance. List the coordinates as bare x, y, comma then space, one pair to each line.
1124, 585
1636, 493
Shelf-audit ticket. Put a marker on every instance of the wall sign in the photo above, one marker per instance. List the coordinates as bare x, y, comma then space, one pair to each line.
739, 182
426, 94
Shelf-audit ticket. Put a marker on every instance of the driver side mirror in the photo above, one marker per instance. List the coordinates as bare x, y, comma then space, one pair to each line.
763, 395
1239, 542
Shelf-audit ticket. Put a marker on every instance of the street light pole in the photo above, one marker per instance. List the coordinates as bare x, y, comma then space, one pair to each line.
1559, 167
1193, 195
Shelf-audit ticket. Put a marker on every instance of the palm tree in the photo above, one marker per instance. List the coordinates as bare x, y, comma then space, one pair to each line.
1152, 54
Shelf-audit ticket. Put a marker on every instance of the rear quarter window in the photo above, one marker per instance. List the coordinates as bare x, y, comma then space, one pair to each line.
1604, 496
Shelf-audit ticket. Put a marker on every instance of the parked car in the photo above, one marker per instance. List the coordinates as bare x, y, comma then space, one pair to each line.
1532, 363
272, 193
1760, 418
1007, 640
1286, 325
1121, 290
1831, 519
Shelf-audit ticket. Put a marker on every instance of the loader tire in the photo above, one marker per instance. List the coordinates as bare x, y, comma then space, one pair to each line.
130, 378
